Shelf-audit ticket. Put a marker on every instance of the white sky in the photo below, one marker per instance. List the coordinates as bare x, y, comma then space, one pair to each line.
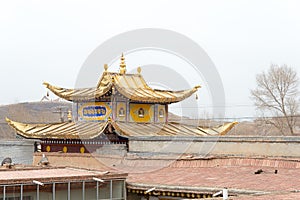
50, 40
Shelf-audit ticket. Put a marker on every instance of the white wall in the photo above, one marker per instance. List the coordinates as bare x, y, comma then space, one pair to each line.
238, 146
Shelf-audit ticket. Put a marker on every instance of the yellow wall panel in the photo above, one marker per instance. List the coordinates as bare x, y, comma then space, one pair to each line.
141, 112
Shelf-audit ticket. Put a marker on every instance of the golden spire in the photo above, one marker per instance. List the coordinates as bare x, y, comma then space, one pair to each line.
139, 70
122, 65
105, 67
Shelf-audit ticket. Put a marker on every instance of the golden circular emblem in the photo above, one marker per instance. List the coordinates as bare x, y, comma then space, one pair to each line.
65, 149
48, 148
82, 149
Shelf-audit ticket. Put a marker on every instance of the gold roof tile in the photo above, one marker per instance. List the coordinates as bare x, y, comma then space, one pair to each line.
132, 86
90, 130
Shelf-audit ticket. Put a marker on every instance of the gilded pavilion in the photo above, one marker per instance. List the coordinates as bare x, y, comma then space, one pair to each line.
122, 105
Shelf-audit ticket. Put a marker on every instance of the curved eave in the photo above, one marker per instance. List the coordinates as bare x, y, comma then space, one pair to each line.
219, 130
83, 94
135, 88
66, 130
131, 86
169, 129
148, 95
90, 130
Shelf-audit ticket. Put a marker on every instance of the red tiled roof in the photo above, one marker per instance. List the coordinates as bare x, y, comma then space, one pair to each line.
211, 174
280, 196
238, 179
233, 161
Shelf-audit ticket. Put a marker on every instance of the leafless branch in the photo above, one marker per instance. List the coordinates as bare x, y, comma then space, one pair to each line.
277, 93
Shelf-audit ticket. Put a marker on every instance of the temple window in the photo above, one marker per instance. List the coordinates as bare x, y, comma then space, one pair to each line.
121, 112
141, 112
161, 113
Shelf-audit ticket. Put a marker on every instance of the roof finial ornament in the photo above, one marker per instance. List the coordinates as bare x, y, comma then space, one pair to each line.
69, 116
139, 70
122, 65
105, 67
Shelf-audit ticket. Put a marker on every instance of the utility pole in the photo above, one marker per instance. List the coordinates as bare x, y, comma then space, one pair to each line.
62, 110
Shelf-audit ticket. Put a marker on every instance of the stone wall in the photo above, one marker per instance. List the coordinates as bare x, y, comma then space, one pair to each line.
112, 149
20, 151
218, 146
86, 160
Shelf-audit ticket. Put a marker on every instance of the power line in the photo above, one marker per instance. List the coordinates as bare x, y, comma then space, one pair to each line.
211, 106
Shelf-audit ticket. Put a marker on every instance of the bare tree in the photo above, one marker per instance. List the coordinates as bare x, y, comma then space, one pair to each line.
277, 95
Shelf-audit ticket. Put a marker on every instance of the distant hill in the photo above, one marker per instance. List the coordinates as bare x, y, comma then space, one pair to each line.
31, 112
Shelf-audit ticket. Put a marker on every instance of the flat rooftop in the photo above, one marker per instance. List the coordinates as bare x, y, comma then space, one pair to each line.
242, 180
195, 175
25, 174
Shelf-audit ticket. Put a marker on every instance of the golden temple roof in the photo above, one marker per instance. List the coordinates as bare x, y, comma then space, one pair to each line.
132, 86
65, 130
90, 130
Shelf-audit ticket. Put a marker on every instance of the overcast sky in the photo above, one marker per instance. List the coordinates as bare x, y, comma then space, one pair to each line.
50, 40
